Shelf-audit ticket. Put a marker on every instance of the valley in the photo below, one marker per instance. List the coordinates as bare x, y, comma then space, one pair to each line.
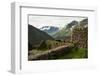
50, 43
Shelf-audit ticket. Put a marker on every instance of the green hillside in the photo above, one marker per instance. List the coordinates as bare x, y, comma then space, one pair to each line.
62, 34
35, 36
65, 32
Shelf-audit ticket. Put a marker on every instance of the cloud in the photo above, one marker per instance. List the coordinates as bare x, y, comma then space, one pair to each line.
40, 21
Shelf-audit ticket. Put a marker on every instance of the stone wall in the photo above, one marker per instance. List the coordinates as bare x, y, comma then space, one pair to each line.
80, 36
52, 54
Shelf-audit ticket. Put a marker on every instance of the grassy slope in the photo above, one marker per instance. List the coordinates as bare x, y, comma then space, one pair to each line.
49, 44
62, 34
75, 54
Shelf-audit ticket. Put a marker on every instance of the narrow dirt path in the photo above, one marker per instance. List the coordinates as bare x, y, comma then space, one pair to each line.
45, 55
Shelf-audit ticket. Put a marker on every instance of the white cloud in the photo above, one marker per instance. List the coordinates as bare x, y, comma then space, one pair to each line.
40, 21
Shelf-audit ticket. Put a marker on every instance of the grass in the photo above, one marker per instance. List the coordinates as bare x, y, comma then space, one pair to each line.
75, 54
49, 44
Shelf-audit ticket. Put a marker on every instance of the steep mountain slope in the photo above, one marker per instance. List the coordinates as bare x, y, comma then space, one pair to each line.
84, 22
66, 31
71, 24
35, 36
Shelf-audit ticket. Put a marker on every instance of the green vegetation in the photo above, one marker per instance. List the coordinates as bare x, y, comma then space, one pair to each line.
49, 44
71, 52
62, 34
65, 32
35, 35
74, 39
74, 54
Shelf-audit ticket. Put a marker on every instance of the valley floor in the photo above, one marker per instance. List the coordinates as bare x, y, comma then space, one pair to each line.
62, 52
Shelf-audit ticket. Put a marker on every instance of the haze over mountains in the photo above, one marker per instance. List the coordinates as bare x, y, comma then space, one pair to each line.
65, 32
59, 33
50, 29
35, 35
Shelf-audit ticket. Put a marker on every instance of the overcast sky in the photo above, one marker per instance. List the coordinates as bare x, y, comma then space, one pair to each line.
40, 21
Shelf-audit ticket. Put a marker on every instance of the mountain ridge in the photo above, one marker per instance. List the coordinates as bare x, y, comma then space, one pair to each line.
35, 35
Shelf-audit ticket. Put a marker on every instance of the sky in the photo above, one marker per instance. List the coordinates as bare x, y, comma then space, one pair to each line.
57, 21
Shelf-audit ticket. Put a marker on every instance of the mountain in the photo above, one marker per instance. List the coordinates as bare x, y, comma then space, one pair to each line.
49, 29
71, 24
62, 34
84, 22
35, 36
66, 31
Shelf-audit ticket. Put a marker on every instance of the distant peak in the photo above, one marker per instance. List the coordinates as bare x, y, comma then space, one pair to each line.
48, 27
